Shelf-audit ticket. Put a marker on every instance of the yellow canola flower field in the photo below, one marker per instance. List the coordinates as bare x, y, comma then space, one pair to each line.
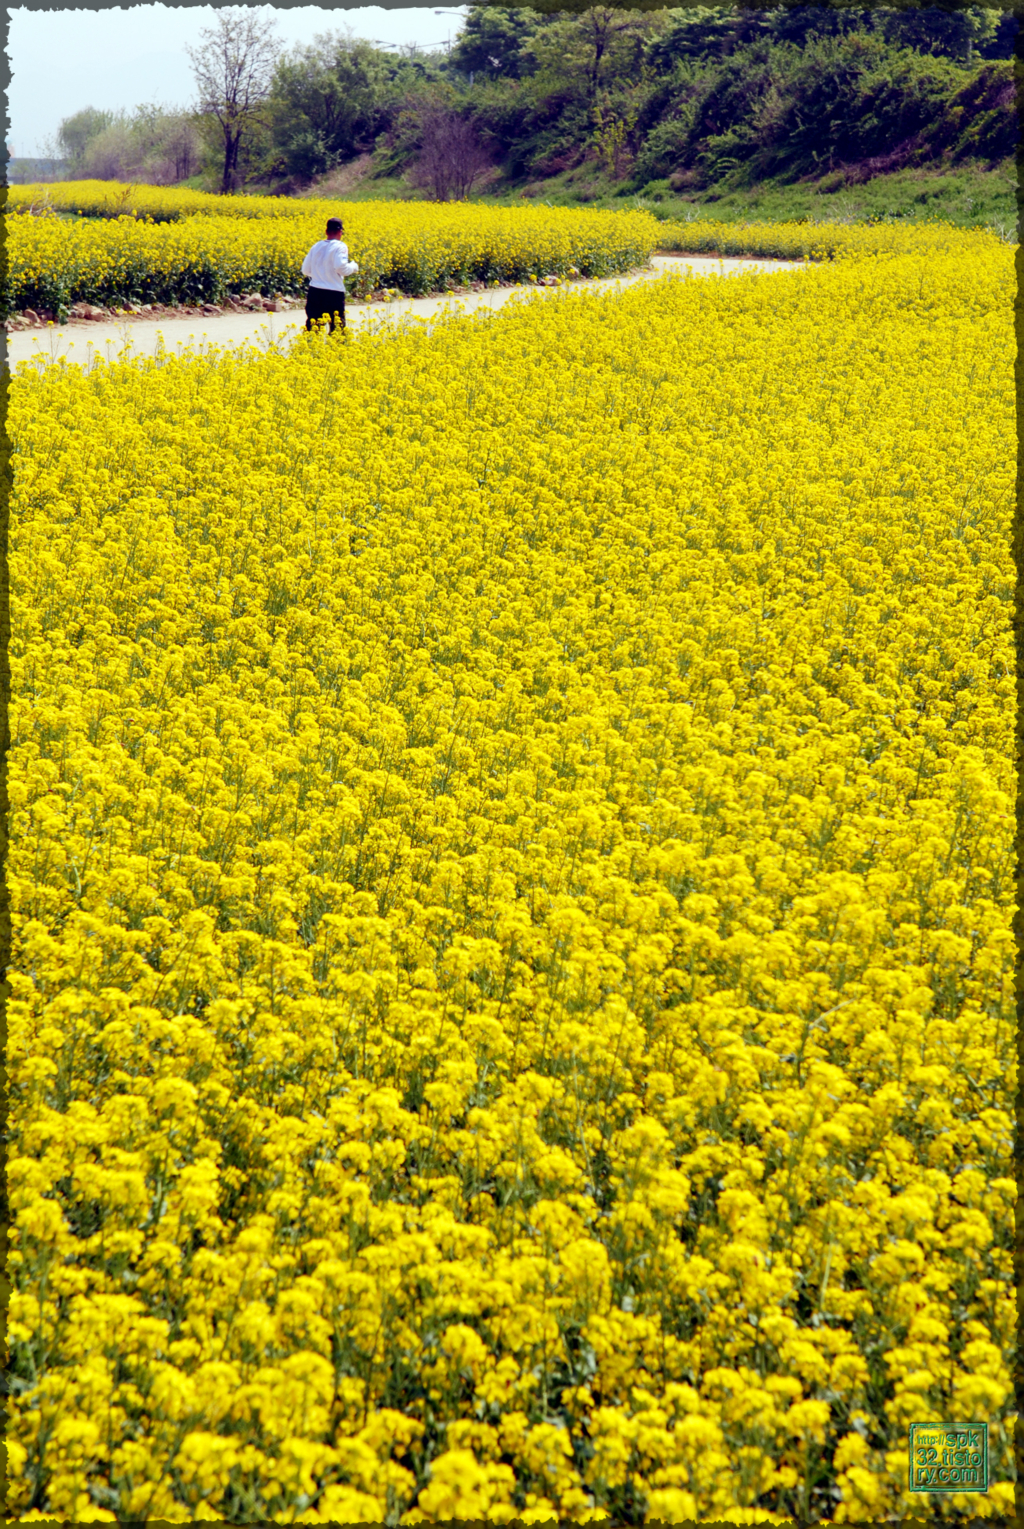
163, 204
415, 247
785, 241
825, 241
513, 992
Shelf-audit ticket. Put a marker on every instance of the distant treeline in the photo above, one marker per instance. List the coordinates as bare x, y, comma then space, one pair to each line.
21, 171
695, 96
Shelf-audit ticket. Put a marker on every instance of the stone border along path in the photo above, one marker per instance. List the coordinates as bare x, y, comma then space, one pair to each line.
82, 339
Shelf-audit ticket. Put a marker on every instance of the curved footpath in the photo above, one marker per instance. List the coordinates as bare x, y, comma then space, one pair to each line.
81, 340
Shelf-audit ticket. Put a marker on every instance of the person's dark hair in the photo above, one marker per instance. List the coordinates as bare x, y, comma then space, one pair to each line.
334, 226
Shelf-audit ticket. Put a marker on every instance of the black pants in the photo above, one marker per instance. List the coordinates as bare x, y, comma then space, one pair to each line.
322, 304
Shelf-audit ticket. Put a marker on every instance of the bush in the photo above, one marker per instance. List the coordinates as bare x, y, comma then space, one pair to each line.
775, 110
983, 116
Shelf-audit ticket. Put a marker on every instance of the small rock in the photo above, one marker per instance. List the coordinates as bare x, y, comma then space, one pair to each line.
31, 315
212, 309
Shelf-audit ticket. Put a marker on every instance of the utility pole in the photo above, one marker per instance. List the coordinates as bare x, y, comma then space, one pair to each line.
449, 13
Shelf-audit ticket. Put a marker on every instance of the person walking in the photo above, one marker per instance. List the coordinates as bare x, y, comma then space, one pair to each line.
327, 265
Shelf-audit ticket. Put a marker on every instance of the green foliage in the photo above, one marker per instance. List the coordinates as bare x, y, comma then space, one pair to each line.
326, 104
727, 97
957, 34
708, 97
703, 34
77, 131
494, 43
522, 129
397, 147
576, 56
981, 119
775, 110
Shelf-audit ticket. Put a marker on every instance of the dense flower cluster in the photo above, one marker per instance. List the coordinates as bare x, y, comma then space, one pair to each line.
825, 241
160, 204
415, 247
52, 264
512, 885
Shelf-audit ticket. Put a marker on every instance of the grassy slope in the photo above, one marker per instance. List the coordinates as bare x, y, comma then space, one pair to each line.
968, 196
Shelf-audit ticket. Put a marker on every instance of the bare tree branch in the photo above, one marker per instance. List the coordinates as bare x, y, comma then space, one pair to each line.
451, 157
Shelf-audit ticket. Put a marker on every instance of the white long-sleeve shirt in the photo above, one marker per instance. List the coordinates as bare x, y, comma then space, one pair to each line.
327, 265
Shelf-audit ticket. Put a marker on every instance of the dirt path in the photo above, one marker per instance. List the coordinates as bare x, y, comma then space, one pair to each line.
79, 340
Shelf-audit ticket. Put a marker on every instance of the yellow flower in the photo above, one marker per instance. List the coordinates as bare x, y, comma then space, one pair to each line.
512, 984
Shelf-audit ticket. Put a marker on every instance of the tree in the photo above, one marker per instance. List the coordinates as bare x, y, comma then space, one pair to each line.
234, 69
181, 146
703, 34
325, 103
580, 53
953, 34
76, 132
152, 145
110, 155
451, 157
492, 41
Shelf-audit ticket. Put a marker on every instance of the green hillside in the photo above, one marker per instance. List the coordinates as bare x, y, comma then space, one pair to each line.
811, 112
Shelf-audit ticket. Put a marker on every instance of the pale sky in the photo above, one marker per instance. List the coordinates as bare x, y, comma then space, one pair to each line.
62, 61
